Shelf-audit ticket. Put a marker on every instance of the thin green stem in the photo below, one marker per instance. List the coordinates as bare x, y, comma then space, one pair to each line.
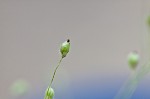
55, 72
128, 89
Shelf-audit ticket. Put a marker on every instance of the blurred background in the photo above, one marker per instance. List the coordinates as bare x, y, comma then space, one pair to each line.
102, 33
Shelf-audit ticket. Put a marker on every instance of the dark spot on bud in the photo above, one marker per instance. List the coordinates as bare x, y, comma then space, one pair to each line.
68, 40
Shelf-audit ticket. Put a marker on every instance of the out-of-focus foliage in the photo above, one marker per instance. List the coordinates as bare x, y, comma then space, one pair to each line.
133, 59
19, 87
148, 21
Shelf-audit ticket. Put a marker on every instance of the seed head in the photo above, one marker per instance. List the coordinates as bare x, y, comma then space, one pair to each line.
49, 94
64, 49
133, 59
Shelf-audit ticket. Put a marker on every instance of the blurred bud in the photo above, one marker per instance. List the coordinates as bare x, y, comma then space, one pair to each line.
148, 20
133, 59
65, 48
19, 87
49, 93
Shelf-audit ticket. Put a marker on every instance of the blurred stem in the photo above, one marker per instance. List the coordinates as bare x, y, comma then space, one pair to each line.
143, 71
128, 88
55, 72
148, 42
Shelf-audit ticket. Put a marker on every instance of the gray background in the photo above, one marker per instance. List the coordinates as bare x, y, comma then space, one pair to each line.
102, 33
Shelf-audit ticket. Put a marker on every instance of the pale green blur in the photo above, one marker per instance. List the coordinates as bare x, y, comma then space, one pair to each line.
19, 87
133, 60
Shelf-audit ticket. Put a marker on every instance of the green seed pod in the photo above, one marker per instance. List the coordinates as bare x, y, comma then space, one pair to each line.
64, 49
49, 94
133, 59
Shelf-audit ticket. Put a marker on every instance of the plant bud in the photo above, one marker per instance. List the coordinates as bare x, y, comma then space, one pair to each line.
133, 59
64, 49
49, 93
148, 20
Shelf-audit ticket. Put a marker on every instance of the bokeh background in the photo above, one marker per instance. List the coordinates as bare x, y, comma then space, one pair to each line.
102, 33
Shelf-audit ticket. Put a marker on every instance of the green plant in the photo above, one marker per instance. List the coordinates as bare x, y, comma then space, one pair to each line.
133, 59
64, 49
129, 87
